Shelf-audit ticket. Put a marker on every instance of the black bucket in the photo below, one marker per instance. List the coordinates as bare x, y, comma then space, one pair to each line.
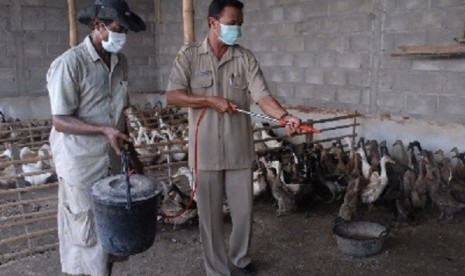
360, 238
126, 228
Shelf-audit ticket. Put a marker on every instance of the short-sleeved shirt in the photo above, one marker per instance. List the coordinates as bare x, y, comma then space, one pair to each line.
225, 140
80, 84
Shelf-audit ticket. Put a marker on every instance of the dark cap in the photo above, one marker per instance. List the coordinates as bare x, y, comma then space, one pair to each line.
117, 10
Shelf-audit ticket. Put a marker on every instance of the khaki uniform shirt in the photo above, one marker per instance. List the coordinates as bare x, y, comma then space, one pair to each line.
80, 84
225, 140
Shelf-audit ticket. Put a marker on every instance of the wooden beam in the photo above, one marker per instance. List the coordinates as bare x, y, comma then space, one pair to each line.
26, 252
430, 50
22, 237
29, 189
188, 19
72, 23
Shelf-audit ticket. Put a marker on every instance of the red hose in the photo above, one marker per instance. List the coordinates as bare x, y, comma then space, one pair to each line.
196, 180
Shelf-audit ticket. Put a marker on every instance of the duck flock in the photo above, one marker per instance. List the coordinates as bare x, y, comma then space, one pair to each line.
355, 173
402, 176
159, 134
406, 179
34, 156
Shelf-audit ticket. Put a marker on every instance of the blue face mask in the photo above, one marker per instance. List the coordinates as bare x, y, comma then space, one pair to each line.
230, 34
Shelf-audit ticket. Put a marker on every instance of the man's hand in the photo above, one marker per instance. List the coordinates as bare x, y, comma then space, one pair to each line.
292, 124
222, 105
116, 138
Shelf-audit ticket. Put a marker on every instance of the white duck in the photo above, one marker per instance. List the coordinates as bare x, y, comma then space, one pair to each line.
350, 143
365, 165
178, 156
377, 182
134, 122
269, 134
187, 173
156, 136
259, 183
45, 151
37, 179
171, 209
141, 138
6, 154
257, 135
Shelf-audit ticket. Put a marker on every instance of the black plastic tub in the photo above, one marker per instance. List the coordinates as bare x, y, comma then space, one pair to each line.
360, 238
126, 229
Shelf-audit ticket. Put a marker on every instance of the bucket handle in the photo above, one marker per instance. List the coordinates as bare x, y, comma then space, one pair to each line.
125, 173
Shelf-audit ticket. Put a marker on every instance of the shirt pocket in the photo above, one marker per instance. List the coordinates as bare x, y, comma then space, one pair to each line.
201, 84
238, 91
237, 82
79, 226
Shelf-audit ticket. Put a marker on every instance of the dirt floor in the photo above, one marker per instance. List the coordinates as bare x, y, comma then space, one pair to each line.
300, 243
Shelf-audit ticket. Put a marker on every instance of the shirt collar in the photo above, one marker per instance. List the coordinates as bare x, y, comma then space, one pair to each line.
204, 46
90, 48
233, 51
95, 56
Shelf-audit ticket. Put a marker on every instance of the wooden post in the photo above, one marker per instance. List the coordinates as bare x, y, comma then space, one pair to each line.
157, 10
72, 23
188, 17
309, 136
354, 133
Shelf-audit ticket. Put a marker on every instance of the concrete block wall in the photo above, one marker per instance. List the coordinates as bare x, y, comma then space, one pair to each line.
427, 88
333, 55
34, 32
337, 54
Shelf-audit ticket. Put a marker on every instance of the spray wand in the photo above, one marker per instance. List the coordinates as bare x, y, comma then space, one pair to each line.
281, 122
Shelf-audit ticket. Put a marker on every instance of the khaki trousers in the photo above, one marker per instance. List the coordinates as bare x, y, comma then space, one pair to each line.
81, 252
237, 185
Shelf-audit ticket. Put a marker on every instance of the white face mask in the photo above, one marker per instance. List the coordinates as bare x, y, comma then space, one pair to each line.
115, 41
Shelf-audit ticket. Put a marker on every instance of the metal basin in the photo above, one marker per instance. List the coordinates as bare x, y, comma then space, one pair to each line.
360, 238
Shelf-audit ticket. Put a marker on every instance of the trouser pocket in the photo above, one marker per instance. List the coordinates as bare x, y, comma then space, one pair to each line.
79, 226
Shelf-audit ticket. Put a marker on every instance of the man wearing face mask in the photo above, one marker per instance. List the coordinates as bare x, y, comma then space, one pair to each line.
216, 76
87, 86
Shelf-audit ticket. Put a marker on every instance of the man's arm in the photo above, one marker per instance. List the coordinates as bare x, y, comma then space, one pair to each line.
73, 125
182, 98
272, 108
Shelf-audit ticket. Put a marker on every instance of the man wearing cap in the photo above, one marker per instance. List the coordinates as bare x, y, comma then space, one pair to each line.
214, 77
87, 86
